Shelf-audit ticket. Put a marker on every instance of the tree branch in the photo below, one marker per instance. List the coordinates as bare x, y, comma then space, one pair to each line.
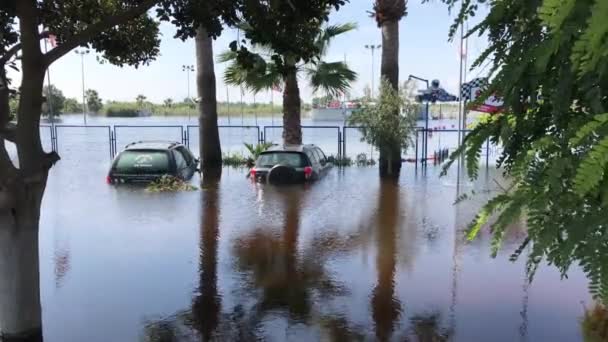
9, 54
94, 29
9, 132
15, 49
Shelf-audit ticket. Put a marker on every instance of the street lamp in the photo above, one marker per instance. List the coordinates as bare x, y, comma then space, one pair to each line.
187, 69
373, 48
82, 53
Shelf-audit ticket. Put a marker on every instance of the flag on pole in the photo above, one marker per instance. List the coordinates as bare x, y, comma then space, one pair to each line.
52, 40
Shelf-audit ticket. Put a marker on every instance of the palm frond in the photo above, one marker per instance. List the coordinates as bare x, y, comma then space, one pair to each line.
331, 32
261, 76
333, 78
226, 56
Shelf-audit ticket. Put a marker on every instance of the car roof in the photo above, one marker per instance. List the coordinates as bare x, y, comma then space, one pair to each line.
289, 148
152, 145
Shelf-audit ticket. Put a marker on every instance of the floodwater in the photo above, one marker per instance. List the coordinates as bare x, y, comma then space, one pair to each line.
348, 258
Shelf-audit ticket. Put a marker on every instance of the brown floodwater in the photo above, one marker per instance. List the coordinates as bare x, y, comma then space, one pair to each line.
349, 258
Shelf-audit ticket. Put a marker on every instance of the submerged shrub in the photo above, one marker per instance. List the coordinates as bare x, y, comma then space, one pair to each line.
169, 183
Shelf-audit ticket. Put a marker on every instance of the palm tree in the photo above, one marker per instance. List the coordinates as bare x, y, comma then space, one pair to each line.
262, 74
168, 102
388, 13
210, 148
140, 99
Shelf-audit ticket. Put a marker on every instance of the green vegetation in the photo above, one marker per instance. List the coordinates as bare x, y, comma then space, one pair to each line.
13, 106
56, 102
169, 183
258, 71
235, 159
131, 109
71, 106
548, 61
256, 150
381, 127
94, 103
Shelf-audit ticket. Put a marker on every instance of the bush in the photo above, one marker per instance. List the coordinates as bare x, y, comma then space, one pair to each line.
169, 183
234, 159
121, 109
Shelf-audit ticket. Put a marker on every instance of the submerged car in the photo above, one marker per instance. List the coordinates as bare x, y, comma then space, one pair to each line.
290, 164
146, 161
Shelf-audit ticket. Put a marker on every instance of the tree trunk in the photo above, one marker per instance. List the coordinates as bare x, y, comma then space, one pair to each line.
292, 126
210, 148
20, 311
390, 71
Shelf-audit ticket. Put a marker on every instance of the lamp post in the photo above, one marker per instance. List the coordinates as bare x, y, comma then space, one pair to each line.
187, 69
426, 125
82, 53
373, 48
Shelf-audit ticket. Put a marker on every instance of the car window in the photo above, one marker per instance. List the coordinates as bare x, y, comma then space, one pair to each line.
142, 162
271, 159
312, 156
320, 155
180, 160
186, 154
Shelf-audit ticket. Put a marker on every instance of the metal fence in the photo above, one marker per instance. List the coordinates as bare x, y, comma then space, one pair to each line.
334, 140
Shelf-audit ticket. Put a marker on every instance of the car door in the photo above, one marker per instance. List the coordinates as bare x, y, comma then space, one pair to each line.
323, 164
314, 161
190, 160
181, 165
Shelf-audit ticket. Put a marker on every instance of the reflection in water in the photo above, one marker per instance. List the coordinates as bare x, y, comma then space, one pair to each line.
207, 303
285, 278
427, 328
385, 306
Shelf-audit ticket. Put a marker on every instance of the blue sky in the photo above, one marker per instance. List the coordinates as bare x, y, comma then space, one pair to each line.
424, 51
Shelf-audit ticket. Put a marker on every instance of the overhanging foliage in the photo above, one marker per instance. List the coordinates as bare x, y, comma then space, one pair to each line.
549, 60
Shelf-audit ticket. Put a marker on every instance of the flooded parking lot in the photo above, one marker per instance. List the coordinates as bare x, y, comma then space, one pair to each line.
349, 258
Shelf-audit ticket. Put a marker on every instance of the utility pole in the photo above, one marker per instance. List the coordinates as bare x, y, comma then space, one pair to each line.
187, 69
373, 48
82, 53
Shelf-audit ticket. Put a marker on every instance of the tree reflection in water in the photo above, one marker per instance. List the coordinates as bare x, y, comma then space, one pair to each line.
281, 276
287, 279
386, 308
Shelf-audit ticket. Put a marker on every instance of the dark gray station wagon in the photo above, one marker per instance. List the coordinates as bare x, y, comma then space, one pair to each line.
290, 164
146, 161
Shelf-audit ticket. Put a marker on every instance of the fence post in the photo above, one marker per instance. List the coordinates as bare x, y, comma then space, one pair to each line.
344, 143
416, 153
487, 153
339, 142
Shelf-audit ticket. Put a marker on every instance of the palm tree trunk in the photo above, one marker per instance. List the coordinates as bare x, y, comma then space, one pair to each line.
390, 71
210, 148
292, 126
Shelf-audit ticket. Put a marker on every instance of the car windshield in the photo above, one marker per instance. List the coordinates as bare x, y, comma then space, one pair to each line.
142, 162
271, 159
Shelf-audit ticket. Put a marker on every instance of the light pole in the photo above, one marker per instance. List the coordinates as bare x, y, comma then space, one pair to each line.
187, 69
426, 119
84, 102
373, 48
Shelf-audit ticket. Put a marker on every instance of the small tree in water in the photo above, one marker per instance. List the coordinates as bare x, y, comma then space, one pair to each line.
380, 126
